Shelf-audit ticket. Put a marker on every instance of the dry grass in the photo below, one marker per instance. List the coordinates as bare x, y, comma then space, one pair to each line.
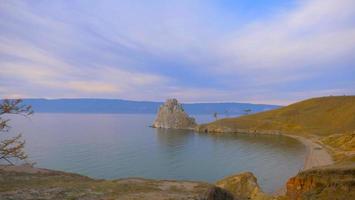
344, 142
319, 116
61, 185
330, 182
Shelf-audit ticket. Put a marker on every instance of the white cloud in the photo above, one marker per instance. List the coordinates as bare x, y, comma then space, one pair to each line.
29, 53
109, 81
135, 50
39, 71
92, 87
315, 34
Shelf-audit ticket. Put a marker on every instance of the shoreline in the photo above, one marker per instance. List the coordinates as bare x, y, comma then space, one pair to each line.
316, 154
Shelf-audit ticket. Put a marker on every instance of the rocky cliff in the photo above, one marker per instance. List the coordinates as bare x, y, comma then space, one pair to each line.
172, 115
331, 182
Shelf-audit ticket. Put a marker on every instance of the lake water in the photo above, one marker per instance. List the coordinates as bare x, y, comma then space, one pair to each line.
123, 145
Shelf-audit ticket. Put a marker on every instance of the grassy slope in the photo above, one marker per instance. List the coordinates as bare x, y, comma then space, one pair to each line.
344, 142
320, 116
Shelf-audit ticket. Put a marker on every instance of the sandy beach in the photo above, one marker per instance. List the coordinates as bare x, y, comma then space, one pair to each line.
316, 154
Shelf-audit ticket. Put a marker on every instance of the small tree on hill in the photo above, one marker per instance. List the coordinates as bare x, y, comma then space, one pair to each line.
12, 147
215, 115
247, 111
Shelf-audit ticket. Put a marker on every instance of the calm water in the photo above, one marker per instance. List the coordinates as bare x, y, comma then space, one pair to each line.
122, 145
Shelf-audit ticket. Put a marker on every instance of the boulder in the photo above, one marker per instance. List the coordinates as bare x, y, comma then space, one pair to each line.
243, 186
172, 115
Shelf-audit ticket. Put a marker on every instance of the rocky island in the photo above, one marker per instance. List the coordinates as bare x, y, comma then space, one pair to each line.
172, 115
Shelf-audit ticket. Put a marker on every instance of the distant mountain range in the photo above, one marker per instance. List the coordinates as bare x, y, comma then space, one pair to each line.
126, 106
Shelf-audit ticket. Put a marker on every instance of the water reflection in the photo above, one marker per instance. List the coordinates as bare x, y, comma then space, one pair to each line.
172, 137
119, 146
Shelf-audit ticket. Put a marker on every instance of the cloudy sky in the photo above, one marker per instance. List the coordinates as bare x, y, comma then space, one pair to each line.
275, 51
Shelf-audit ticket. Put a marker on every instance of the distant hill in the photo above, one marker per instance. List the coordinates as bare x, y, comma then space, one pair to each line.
126, 106
321, 116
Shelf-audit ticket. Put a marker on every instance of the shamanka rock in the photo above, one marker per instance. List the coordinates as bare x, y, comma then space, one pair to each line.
172, 115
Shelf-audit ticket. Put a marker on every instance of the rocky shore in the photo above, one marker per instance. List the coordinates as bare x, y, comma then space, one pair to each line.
335, 181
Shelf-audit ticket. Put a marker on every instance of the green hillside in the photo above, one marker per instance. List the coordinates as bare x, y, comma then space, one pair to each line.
320, 116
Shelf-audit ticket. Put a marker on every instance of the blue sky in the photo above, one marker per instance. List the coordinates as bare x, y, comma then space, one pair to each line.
277, 51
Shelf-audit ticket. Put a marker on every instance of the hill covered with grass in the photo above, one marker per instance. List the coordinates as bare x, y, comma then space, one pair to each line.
321, 116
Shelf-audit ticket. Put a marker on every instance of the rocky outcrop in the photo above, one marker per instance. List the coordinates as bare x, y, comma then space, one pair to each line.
323, 183
172, 115
243, 186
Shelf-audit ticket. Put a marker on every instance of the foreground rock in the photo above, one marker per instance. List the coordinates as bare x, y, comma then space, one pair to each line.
243, 186
330, 182
25, 183
172, 115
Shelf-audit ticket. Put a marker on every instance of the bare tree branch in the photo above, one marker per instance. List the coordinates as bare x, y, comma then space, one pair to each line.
12, 148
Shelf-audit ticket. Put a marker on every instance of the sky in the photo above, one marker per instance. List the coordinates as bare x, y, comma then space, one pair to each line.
273, 52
